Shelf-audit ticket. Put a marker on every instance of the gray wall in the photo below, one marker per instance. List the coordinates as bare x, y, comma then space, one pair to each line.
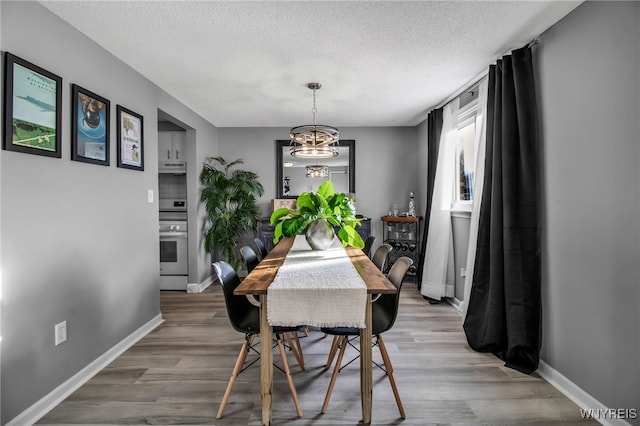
588, 79
80, 240
386, 165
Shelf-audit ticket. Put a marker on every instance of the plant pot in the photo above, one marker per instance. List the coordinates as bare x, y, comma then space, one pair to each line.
319, 234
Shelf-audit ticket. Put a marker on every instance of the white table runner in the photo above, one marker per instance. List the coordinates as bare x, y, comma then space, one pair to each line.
317, 288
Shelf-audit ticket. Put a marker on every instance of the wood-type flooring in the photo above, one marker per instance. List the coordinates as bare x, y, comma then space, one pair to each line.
177, 375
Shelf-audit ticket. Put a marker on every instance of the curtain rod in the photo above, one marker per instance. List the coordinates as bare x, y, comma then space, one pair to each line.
475, 80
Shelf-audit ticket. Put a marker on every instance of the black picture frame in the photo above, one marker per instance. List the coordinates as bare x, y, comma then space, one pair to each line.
32, 108
90, 127
130, 139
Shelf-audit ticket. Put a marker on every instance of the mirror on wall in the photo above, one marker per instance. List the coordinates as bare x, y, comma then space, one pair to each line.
292, 179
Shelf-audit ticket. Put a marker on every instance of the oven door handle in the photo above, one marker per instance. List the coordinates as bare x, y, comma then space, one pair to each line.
168, 235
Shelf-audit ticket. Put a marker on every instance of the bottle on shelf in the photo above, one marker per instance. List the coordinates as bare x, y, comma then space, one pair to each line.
412, 205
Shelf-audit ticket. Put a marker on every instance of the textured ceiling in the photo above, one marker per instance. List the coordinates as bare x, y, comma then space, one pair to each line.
247, 64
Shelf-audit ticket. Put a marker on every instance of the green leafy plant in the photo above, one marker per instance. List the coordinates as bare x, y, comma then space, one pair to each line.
229, 198
335, 207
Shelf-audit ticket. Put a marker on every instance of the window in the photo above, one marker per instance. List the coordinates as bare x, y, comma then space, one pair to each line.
466, 150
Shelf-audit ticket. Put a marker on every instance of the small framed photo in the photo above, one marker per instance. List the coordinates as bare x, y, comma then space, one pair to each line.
130, 139
32, 108
89, 127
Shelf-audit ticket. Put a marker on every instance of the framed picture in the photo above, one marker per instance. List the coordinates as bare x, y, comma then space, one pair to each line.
89, 127
32, 108
130, 139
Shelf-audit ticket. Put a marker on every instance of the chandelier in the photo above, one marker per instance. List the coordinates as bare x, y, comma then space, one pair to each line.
314, 140
316, 171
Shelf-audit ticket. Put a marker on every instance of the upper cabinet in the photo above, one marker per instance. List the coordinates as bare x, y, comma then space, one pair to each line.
171, 145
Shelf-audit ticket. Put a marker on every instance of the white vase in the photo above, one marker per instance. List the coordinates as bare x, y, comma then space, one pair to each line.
319, 234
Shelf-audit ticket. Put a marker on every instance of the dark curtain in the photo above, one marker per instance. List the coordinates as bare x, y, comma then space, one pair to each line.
434, 123
504, 311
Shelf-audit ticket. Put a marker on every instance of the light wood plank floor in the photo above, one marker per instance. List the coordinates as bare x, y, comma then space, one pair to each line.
178, 373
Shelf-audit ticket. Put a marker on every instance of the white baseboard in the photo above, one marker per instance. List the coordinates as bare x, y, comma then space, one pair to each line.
576, 394
56, 396
200, 287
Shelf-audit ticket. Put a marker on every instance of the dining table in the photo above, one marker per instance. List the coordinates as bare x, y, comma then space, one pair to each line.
257, 283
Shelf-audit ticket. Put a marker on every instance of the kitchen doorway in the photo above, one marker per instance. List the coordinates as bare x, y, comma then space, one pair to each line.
173, 204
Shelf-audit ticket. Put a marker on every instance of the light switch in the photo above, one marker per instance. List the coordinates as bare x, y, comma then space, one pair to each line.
150, 196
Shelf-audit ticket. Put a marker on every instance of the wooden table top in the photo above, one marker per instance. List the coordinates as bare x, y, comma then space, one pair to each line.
262, 276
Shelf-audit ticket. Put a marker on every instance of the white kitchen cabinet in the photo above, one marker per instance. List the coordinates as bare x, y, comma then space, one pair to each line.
171, 145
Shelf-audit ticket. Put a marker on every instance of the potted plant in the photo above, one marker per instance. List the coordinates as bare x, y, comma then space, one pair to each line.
229, 198
317, 215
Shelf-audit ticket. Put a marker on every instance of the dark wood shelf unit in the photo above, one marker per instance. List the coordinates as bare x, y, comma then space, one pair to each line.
403, 234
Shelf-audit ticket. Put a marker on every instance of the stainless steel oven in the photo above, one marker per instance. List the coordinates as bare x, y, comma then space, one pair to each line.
174, 259
173, 248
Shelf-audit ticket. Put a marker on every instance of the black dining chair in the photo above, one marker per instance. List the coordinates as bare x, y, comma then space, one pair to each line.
262, 249
383, 315
380, 256
249, 257
251, 261
245, 318
368, 244
379, 259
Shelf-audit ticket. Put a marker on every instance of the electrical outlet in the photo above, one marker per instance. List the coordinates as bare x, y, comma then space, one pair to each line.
61, 332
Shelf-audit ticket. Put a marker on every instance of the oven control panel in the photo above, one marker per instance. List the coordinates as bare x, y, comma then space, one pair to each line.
168, 227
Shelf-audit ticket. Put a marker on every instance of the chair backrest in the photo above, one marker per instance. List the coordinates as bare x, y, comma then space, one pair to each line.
380, 256
262, 249
249, 257
244, 316
368, 244
386, 306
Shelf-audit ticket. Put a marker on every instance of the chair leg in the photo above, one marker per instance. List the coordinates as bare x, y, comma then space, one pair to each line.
342, 343
297, 350
299, 347
242, 357
389, 368
332, 351
287, 371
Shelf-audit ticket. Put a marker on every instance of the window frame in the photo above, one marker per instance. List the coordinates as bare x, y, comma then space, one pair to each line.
467, 115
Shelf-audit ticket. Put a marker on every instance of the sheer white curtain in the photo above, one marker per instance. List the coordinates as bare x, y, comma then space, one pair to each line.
480, 144
437, 268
